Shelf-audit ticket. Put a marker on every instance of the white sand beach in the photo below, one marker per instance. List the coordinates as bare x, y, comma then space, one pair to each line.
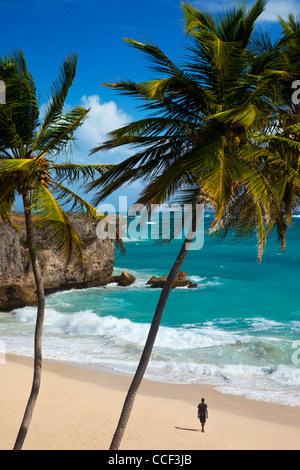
78, 409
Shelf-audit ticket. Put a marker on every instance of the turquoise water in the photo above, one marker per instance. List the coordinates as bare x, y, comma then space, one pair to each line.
238, 330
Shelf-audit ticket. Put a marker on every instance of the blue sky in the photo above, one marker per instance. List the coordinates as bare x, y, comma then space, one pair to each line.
48, 30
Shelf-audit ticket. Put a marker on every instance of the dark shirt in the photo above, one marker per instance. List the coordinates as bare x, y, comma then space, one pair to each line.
202, 407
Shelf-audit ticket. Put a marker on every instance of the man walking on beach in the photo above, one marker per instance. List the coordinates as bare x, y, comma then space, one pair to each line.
202, 413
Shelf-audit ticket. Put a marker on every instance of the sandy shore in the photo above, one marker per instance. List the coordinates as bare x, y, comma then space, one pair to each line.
78, 408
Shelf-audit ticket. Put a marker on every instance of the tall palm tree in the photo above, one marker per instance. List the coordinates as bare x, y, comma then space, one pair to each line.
283, 140
198, 141
28, 168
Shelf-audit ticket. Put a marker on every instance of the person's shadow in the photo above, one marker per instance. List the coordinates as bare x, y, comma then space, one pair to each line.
187, 429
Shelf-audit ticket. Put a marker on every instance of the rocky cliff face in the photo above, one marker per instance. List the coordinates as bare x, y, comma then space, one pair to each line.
17, 287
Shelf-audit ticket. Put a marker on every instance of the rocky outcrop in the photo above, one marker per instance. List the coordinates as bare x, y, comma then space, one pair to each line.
180, 281
124, 279
17, 287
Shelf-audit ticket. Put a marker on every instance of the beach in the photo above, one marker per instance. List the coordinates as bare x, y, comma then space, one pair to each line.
79, 406
175, 243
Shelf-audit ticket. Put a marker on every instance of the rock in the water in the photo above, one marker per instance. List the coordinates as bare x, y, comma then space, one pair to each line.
180, 281
124, 279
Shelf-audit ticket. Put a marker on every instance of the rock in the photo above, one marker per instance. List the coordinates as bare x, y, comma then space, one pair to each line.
17, 286
192, 285
180, 281
124, 279
157, 281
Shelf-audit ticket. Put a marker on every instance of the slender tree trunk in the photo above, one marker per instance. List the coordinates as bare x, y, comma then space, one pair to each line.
39, 326
145, 357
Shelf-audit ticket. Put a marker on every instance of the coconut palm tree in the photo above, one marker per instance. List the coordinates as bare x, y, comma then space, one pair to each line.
28, 168
198, 142
283, 140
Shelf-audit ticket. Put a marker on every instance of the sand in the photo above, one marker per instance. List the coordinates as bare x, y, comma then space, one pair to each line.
78, 409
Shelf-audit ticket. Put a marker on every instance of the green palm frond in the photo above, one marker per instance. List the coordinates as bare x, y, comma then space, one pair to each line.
59, 91
18, 172
74, 173
247, 115
244, 217
19, 117
55, 138
181, 84
18, 164
76, 204
151, 132
64, 196
197, 19
10, 140
7, 199
161, 62
280, 138
235, 24
292, 24
56, 223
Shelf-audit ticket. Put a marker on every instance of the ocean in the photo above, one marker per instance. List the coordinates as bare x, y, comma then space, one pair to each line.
239, 330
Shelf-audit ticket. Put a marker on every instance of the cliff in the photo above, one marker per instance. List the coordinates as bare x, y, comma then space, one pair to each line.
17, 287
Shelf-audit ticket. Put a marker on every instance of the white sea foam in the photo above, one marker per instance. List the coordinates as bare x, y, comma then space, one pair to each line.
193, 353
261, 324
88, 323
204, 282
274, 384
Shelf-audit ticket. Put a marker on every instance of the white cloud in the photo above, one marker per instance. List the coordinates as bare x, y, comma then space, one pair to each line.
273, 8
103, 118
281, 8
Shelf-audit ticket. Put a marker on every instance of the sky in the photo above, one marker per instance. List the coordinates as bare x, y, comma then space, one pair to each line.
48, 30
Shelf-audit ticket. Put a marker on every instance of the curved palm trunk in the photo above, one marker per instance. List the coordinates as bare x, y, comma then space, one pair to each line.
38, 329
145, 357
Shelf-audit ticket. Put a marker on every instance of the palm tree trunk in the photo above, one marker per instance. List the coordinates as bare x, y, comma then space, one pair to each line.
145, 357
39, 325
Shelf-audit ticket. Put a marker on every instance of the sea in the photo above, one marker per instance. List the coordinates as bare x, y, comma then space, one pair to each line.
238, 330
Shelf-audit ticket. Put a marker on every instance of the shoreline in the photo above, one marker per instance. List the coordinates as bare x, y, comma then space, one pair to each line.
79, 406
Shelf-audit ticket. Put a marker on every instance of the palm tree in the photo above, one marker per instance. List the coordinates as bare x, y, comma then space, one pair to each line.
28, 168
283, 140
199, 139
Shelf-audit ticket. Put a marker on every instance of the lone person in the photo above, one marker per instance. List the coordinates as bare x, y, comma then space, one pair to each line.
202, 413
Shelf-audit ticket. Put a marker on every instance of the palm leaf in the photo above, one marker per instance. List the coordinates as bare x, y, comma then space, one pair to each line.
55, 138
247, 115
19, 172
7, 199
21, 106
56, 223
75, 203
157, 57
59, 91
73, 173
